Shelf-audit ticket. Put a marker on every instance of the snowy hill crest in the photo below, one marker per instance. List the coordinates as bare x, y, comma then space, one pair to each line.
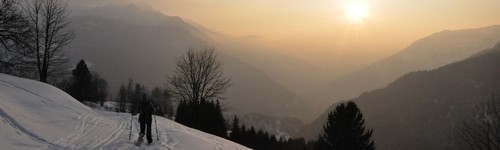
38, 116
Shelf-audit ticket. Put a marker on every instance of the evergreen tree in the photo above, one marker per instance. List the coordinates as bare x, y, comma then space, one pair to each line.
168, 105
219, 122
99, 88
181, 114
162, 102
86, 86
235, 130
134, 94
122, 99
252, 137
204, 115
244, 136
261, 140
81, 82
345, 130
129, 96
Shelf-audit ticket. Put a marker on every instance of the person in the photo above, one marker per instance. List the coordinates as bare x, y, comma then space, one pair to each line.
145, 110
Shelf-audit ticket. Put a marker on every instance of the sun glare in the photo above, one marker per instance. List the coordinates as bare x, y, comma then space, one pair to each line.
356, 10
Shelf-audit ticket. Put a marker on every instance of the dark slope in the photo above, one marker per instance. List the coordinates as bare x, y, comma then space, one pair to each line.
430, 52
421, 109
146, 52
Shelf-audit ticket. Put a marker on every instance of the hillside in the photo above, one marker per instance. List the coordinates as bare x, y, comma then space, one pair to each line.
121, 47
38, 116
428, 53
421, 109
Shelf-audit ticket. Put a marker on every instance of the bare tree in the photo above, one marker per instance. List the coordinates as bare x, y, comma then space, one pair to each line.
13, 28
48, 38
482, 132
198, 77
12, 25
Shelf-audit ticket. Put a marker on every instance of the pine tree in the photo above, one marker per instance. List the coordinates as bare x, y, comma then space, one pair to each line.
181, 113
220, 123
163, 104
134, 91
244, 136
135, 95
235, 130
252, 135
345, 130
122, 99
99, 89
81, 83
168, 106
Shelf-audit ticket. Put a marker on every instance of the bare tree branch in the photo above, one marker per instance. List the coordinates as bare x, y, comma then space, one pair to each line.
13, 29
483, 131
44, 44
198, 77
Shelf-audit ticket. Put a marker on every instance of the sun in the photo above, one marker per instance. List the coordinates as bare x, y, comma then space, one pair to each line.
356, 10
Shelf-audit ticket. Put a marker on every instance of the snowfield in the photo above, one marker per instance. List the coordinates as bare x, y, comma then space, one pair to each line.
36, 115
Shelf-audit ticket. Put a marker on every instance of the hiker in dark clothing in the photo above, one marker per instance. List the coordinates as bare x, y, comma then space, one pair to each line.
145, 110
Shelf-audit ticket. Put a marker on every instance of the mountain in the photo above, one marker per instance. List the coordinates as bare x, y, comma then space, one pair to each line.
138, 13
422, 110
288, 71
431, 52
145, 45
36, 115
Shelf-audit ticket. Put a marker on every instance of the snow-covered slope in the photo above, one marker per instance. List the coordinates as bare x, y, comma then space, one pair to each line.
38, 116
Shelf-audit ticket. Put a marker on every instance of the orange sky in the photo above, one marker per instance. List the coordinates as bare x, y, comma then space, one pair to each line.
312, 29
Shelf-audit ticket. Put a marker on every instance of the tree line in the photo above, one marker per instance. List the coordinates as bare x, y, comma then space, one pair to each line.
344, 130
261, 140
198, 82
129, 95
86, 87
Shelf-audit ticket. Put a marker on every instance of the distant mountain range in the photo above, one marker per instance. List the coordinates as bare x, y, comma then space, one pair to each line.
133, 41
129, 41
422, 109
430, 52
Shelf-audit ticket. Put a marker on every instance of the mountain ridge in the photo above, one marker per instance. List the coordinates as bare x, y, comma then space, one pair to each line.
147, 53
430, 52
423, 108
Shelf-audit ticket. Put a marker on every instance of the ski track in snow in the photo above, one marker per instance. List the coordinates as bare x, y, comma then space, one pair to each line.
79, 127
20, 129
104, 130
93, 131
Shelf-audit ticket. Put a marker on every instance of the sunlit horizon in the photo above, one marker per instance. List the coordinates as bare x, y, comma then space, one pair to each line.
313, 29
327, 33
357, 10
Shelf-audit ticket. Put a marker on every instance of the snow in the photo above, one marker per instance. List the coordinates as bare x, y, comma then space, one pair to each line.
35, 115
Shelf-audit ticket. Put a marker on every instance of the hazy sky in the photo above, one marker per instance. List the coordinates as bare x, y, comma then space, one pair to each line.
318, 30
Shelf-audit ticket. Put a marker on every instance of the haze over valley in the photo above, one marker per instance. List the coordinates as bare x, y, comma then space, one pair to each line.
417, 70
